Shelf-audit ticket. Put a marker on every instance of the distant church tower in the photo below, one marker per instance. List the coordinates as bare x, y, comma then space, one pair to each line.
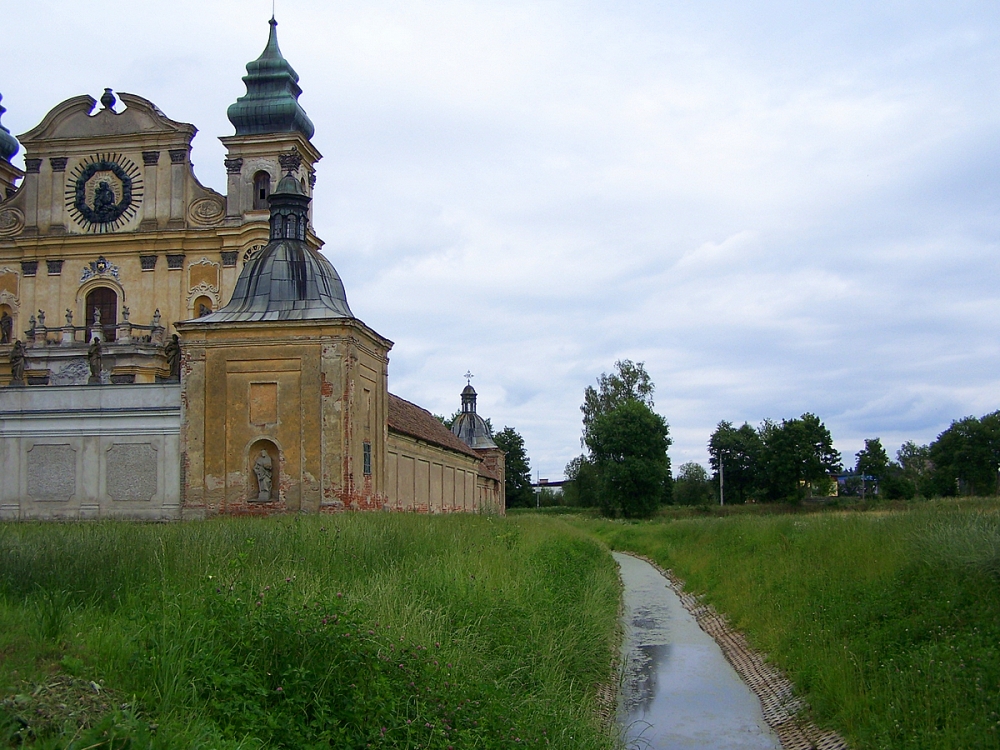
272, 140
472, 430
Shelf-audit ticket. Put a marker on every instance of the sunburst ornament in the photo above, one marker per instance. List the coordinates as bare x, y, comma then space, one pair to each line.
103, 193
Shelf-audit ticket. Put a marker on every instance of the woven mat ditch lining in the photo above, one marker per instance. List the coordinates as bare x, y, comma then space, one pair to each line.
781, 707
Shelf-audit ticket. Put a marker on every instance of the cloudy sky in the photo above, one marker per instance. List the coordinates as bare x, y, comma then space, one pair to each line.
779, 207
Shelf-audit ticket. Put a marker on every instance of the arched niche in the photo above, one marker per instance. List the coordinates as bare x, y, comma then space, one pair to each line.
202, 306
8, 336
263, 454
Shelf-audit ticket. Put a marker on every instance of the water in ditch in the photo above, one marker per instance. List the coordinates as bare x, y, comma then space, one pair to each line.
678, 691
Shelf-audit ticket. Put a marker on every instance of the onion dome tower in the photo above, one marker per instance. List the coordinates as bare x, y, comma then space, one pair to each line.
271, 103
469, 427
9, 174
272, 137
287, 279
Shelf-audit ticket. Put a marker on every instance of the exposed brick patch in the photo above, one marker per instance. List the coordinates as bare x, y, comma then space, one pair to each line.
783, 711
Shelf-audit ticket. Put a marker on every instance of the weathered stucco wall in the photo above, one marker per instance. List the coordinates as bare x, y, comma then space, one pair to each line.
90, 452
426, 478
310, 393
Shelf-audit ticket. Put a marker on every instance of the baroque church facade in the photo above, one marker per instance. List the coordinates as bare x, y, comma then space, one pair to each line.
170, 352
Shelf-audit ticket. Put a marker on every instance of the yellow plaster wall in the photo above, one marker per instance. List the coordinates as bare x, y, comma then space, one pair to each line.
426, 478
329, 380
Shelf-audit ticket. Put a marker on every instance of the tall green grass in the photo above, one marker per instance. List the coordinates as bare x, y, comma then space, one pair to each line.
888, 623
359, 630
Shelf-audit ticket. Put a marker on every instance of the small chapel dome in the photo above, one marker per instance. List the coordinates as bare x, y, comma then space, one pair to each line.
287, 279
288, 185
468, 426
271, 103
8, 143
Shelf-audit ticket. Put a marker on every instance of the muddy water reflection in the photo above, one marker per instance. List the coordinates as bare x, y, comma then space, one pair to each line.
678, 691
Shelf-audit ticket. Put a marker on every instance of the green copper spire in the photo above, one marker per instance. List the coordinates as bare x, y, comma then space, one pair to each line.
271, 102
8, 143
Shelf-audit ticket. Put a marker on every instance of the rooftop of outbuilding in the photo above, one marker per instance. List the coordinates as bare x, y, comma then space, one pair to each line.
410, 419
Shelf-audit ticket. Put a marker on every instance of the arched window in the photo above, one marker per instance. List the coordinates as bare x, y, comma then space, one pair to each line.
261, 190
105, 302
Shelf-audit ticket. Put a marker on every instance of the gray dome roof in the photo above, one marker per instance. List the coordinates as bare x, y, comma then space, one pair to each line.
288, 185
468, 426
287, 280
471, 429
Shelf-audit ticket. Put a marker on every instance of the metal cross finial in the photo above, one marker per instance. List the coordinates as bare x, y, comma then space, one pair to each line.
469, 376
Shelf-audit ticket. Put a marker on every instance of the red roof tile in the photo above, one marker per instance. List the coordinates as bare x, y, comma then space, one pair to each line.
410, 419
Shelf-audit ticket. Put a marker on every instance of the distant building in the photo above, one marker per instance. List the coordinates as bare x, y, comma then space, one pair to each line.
544, 484
171, 352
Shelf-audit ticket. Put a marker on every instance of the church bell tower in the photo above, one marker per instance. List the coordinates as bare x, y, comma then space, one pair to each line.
272, 140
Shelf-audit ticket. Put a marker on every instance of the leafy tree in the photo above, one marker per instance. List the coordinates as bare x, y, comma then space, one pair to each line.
914, 473
628, 445
629, 382
547, 498
872, 460
741, 450
518, 492
580, 488
798, 457
895, 485
692, 485
915, 460
966, 457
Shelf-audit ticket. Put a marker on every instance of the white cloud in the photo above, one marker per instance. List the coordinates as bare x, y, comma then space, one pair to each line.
778, 207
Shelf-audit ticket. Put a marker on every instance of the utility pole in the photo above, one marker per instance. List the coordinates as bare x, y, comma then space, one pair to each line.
722, 493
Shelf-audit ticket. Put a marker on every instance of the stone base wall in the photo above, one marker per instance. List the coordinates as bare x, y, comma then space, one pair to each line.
78, 452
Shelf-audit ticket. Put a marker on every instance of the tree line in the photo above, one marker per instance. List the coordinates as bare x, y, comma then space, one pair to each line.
795, 458
625, 469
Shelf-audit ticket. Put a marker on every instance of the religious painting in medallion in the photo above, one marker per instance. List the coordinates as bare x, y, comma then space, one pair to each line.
103, 192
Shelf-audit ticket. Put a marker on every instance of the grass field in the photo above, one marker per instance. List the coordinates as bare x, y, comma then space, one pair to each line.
887, 621
360, 630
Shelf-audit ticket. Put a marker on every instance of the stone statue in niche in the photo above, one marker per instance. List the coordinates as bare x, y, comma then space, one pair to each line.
6, 326
203, 310
262, 469
17, 363
173, 352
94, 359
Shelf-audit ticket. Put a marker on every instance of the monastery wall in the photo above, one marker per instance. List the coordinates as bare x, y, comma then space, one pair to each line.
75, 452
425, 478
